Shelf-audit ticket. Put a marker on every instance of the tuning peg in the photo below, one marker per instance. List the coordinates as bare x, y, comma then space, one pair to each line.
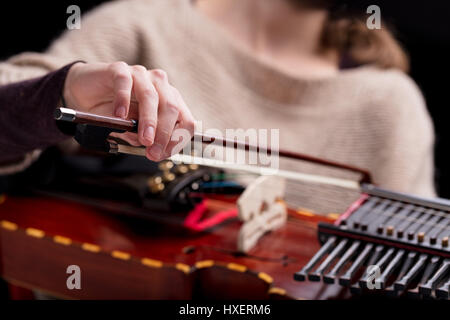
193, 167
155, 184
168, 176
165, 165
154, 180
157, 188
181, 169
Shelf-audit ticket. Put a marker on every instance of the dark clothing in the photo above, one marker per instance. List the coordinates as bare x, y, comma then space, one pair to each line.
26, 115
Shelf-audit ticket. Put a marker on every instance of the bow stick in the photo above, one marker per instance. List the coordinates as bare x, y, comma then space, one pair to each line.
121, 125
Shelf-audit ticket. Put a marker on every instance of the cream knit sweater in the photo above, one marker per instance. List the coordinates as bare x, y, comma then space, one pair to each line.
366, 117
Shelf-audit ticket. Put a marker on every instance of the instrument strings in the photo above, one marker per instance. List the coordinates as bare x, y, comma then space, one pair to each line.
294, 190
440, 217
293, 194
258, 170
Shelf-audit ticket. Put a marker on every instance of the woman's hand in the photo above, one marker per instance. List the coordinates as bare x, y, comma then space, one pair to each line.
132, 92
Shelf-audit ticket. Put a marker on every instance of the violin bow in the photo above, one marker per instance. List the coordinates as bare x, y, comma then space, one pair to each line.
115, 146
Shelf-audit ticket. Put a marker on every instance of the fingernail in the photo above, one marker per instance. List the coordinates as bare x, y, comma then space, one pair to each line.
156, 151
121, 112
149, 134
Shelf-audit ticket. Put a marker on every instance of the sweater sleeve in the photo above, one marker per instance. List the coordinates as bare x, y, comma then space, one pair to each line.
26, 117
107, 34
405, 163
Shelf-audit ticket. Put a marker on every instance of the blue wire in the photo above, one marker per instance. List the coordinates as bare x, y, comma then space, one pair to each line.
221, 184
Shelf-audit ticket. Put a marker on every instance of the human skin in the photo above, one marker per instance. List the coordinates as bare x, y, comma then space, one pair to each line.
133, 92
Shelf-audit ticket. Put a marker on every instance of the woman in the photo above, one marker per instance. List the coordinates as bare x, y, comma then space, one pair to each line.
270, 64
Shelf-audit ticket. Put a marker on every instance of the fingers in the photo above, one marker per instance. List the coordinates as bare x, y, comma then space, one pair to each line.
168, 113
184, 129
160, 109
186, 119
180, 138
122, 84
148, 100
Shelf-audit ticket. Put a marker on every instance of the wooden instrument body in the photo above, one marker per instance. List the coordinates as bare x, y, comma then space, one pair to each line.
126, 258
131, 258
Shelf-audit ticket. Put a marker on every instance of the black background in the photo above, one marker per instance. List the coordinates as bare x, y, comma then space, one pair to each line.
422, 26
154, 309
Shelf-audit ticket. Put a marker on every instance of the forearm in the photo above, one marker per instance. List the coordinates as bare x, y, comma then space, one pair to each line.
26, 115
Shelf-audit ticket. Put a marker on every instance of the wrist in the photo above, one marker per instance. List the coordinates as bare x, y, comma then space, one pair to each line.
67, 94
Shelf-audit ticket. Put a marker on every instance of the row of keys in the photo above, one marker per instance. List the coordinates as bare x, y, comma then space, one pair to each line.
364, 266
398, 220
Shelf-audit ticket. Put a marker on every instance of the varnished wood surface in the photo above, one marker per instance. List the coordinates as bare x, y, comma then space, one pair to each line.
181, 265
